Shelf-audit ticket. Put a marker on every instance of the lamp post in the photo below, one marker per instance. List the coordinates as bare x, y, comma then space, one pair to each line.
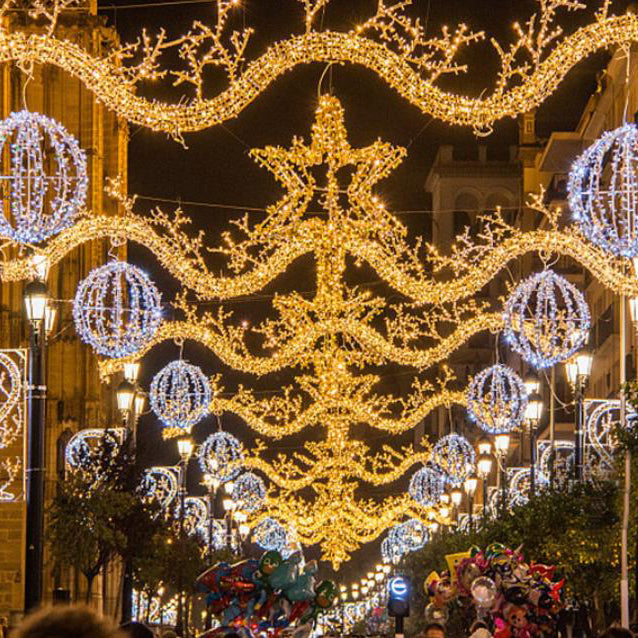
212, 484
578, 370
470, 485
36, 296
501, 447
533, 414
185, 449
484, 468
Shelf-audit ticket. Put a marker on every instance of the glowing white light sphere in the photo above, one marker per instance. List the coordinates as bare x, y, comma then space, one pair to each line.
117, 309
249, 492
220, 455
47, 177
426, 485
546, 319
603, 191
497, 399
455, 455
180, 395
412, 534
270, 535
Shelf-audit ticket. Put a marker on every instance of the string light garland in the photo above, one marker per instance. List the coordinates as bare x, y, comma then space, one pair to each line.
563, 461
497, 399
603, 191
12, 397
427, 485
82, 450
220, 455
161, 483
195, 515
454, 454
546, 319
390, 43
47, 180
412, 534
117, 309
249, 492
180, 396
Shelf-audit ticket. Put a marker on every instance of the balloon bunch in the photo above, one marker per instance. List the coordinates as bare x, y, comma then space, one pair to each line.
270, 594
519, 600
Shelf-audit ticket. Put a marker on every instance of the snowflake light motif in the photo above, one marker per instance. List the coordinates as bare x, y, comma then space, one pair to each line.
427, 485
497, 399
179, 396
249, 492
220, 455
546, 319
117, 309
47, 179
270, 535
456, 456
603, 191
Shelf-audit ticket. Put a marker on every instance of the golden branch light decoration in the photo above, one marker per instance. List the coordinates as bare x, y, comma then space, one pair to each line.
390, 43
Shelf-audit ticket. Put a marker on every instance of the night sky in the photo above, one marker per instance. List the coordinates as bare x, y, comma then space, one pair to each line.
216, 168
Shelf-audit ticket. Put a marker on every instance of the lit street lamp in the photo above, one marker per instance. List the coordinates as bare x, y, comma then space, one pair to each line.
578, 370
501, 447
36, 297
484, 468
185, 449
470, 485
533, 414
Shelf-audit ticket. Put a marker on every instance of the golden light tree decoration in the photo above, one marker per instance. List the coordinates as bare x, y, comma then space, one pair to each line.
390, 43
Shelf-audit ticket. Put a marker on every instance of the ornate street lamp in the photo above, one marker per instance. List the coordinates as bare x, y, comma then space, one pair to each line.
501, 448
185, 449
470, 485
533, 414
484, 468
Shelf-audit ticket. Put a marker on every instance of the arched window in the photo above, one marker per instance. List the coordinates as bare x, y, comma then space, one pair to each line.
465, 208
60, 463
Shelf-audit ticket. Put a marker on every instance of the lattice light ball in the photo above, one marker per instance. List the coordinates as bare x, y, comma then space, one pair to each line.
180, 395
270, 535
603, 191
546, 319
47, 179
395, 546
117, 309
249, 492
456, 456
497, 399
220, 456
427, 485
412, 534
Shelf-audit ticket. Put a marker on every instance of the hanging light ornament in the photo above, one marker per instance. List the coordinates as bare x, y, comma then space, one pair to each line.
546, 319
395, 546
219, 534
195, 515
117, 309
47, 179
412, 534
426, 485
270, 535
603, 191
455, 455
249, 492
161, 483
220, 455
180, 396
497, 399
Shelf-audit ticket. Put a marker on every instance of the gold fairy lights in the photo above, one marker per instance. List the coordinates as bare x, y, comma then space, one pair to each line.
390, 43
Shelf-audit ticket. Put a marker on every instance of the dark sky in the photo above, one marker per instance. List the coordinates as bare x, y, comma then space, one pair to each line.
216, 168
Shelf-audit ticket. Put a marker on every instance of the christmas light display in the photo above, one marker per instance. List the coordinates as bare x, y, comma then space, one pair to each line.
546, 319
47, 179
413, 535
81, 453
427, 485
162, 484
497, 399
219, 537
195, 515
390, 43
603, 191
117, 309
563, 461
180, 396
455, 455
270, 535
12, 397
220, 456
249, 492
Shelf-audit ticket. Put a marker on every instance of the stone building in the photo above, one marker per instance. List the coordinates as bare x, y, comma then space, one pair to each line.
75, 397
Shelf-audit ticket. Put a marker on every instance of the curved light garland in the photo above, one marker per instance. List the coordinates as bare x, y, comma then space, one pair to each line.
42, 203
497, 399
427, 485
455, 455
117, 309
546, 319
162, 484
12, 390
603, 191
180, 396
411, 71
220, 455
80, 449
195, 515
249, 492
